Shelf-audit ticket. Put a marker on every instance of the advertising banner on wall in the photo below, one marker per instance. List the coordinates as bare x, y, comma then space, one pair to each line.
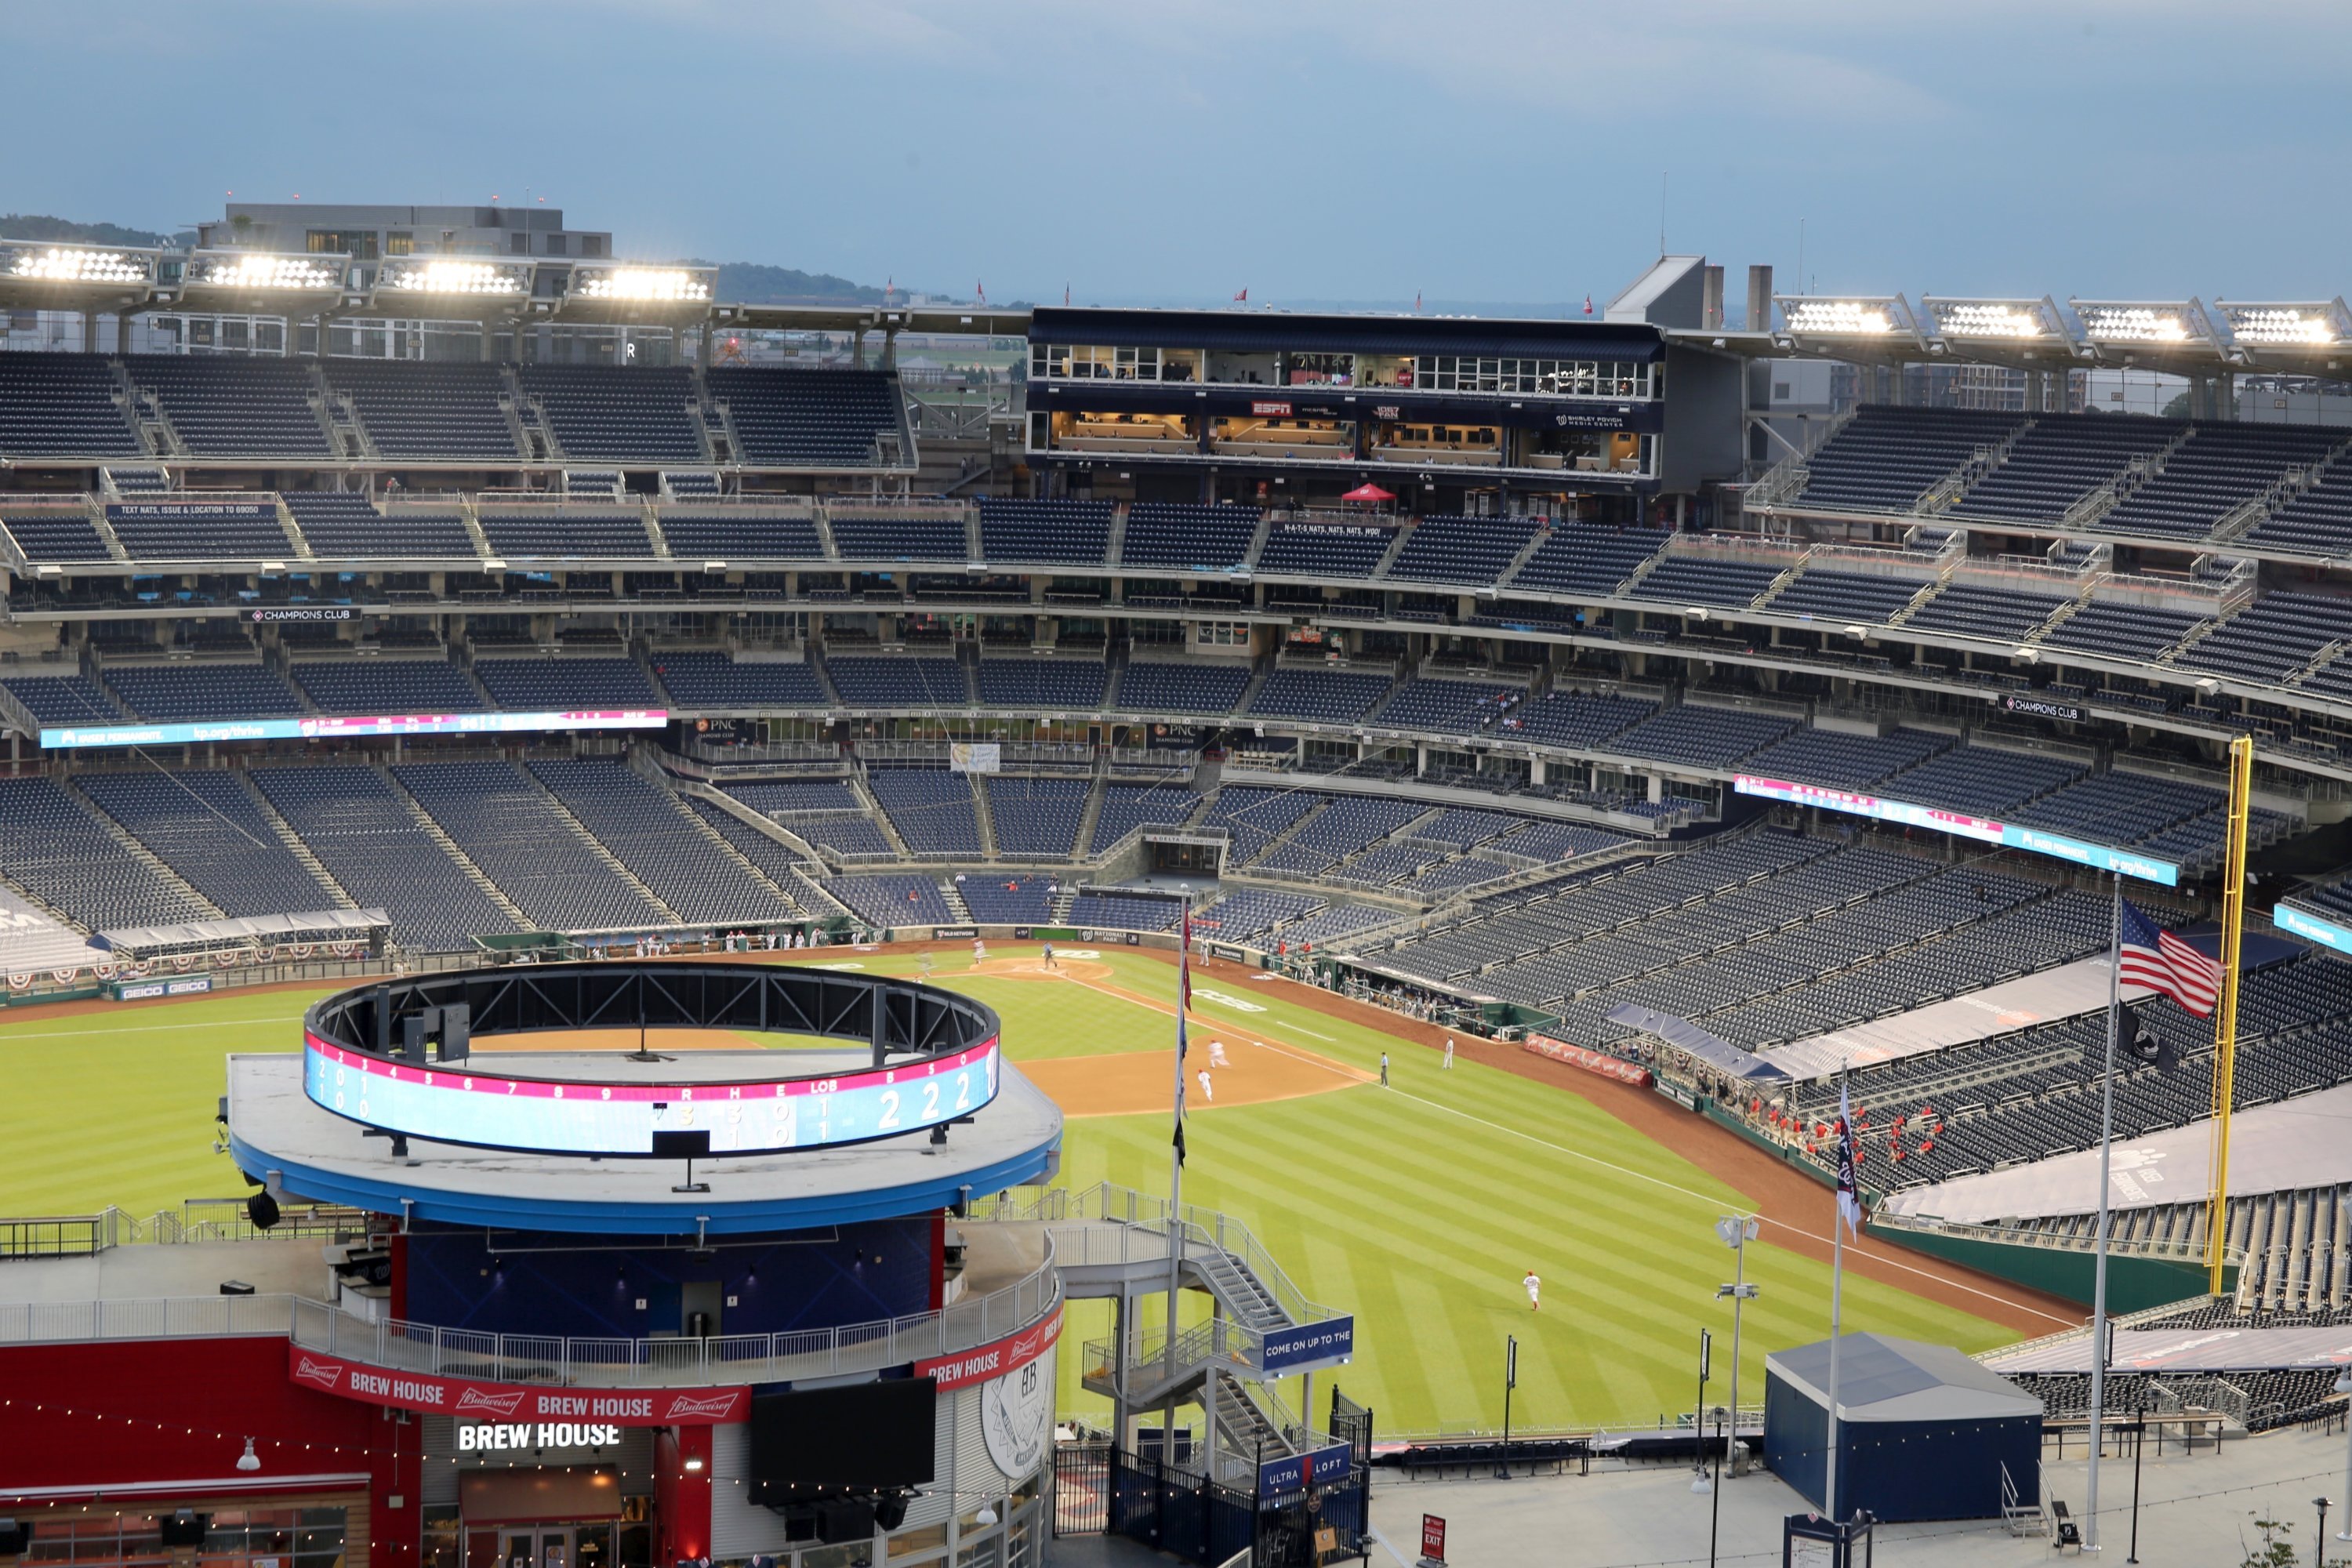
471, 1399
1308, 1347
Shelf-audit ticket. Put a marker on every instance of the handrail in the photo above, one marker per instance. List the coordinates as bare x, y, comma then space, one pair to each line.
1146, 1215
545, 1358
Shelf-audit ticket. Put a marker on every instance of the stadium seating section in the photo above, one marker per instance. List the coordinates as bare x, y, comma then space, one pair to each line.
794, 418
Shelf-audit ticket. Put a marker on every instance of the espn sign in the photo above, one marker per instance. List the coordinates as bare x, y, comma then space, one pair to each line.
505, 1402
1600, 1062
1270, 408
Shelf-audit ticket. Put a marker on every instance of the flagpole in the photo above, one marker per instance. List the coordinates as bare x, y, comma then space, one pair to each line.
1837, 1294
2099, 1266
1176, 1168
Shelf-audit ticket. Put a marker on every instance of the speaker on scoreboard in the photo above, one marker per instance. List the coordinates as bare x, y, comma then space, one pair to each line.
890, 1513
845, 1519
185, 1527
261, 1209
16, 1537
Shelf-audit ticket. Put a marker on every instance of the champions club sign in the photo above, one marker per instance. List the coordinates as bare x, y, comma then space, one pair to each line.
472, 1400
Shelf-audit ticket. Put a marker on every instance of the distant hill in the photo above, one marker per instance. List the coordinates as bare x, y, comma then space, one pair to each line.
39, 226
751, 283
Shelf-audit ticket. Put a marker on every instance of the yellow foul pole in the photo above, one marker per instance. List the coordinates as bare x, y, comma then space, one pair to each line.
2225, 1016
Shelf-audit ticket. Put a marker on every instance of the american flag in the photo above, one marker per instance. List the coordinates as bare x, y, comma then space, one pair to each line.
2162, 961
1849, 1190
1244, 293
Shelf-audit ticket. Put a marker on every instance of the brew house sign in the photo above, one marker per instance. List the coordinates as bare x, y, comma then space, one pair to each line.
483, 1437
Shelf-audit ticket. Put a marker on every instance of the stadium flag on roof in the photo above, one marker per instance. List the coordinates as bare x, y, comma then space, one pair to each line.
2162, 961
1849, 1190
982, 289
1416, 300
1244, 295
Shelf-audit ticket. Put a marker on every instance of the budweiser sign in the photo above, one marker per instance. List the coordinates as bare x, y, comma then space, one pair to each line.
1009, 1355
477, 1399
1600, 1062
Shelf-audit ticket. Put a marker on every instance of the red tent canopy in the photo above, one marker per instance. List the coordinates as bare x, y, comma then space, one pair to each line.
1367, 493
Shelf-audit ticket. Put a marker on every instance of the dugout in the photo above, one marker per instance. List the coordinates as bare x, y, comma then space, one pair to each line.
1923, 1431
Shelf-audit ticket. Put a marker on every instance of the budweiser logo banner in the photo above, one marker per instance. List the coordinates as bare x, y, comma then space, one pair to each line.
473, 1397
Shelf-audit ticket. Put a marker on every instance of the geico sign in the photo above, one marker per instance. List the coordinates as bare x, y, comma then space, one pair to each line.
545, 1434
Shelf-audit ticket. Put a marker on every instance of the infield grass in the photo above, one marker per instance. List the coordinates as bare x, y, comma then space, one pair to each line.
1417, 1206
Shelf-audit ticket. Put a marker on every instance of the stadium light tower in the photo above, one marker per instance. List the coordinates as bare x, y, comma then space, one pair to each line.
622, 292
2151, 329
1848, 324
40, 275
2310, 336
258, 280
452, 280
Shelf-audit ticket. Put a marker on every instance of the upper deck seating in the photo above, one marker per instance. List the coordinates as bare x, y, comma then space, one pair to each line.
1068, 684
707, 677
731, 537
1857, 596
2062, 459
387, 686
1587, 559
558, 535
565, 684
618, 415
1325, 550
342, 525
2218, 469
798, 417
1073, 530
881, 680
1885, 459
1161, 686
179, 693
919, 536
1188, 538
62, 406
429, 411
1474, 550
1700, 580
237, 407
1975, 610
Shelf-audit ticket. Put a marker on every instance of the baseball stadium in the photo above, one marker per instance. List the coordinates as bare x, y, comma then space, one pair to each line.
1210, 931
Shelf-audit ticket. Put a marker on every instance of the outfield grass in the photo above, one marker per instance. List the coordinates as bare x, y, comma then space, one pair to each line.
1417, 1206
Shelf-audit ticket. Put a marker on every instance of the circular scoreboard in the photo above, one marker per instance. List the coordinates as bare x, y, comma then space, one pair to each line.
398, 1057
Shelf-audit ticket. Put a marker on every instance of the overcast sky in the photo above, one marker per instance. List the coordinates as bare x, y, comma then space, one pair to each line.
1175, 151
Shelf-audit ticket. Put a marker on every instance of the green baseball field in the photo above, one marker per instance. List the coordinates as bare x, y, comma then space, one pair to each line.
1419, 1207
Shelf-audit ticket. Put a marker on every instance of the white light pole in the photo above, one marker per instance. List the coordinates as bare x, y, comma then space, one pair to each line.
1735, 1231
2344, 1387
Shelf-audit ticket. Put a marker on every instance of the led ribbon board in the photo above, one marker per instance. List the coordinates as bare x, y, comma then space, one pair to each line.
951, 1041
328, 729
2010, 835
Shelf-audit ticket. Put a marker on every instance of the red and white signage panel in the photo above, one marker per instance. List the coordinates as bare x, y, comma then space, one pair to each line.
471, 1399
1010, 1354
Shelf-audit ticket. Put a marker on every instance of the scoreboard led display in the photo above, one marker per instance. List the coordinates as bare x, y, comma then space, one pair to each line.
579, 1116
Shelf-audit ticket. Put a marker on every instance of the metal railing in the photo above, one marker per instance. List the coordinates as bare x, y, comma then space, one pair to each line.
1105, 1223
544, 1358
